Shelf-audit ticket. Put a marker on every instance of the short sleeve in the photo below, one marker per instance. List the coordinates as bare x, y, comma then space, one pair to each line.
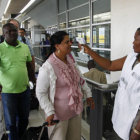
29, 57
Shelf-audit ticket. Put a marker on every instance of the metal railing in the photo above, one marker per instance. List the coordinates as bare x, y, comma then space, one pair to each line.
98, 127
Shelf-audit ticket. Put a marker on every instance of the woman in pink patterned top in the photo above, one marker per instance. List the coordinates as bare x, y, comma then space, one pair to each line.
59, 91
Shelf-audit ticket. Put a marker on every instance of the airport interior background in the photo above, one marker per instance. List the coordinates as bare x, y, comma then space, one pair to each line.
108, 27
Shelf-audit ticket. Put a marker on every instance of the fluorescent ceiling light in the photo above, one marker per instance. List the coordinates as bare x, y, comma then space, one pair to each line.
7, 6
17, 16
27, 6
26, 19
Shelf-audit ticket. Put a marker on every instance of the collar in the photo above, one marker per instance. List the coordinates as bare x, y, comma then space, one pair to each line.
7, 45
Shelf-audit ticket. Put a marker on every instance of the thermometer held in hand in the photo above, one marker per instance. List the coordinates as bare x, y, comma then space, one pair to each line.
81, 41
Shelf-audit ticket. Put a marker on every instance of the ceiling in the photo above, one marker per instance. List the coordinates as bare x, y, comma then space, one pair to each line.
44, 12
14, 7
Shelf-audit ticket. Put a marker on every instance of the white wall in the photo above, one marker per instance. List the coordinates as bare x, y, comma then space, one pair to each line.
124, 22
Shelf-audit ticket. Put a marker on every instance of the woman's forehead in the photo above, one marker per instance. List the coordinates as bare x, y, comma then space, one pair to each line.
66, 37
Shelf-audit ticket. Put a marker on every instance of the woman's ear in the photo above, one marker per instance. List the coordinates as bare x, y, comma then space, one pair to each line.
57, 47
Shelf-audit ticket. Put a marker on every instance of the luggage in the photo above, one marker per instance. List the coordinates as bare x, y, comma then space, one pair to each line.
37, 133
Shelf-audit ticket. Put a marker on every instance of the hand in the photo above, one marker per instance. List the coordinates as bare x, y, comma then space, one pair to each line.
87, 49
90, 102
50, 119
134, 136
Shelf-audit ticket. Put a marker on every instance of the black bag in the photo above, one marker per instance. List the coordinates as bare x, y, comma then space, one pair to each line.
34, 103
4, 137
33, 133
38, 133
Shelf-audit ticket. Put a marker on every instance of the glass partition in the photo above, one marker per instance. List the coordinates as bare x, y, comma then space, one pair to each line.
79, 16
80, 32
79, 22
62, 21
74, 3
101, 11
61, 6
103, 53
101, 36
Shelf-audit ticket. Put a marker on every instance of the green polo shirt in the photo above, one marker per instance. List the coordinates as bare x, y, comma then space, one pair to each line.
13, 70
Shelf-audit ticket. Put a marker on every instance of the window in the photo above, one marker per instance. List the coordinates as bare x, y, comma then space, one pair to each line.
101, 11
74, 3
101, 36
62, 21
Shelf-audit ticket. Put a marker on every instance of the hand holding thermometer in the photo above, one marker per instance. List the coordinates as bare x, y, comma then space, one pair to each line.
81, 41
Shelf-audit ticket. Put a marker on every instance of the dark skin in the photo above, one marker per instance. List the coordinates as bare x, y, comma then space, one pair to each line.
11, 34
117, 65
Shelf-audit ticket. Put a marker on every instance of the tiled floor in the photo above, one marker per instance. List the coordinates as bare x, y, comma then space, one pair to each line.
36, 118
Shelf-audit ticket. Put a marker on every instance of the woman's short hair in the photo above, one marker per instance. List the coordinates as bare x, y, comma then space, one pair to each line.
57, 38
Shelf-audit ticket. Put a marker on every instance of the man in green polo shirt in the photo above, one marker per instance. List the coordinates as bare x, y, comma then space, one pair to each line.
14, 58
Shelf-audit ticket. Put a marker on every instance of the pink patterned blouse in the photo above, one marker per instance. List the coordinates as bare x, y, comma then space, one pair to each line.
68, 96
